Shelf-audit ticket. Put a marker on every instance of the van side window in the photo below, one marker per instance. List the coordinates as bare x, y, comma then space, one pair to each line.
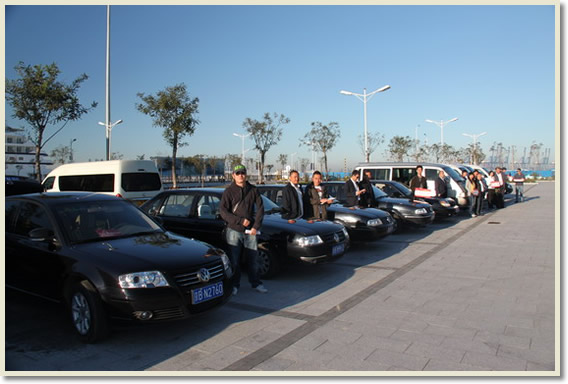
91, 183
431, 174
139, 182
378, 174
403, 175
48, 183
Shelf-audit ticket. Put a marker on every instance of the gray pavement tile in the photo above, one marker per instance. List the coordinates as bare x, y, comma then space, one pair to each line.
337, 336
544, 356
501, 339
397, 359
180, 362
378, 342
494, 363
257, 340
450, 366
430, 351
471, 345
362, 328
352, 352
346, 364
465, 333
219, 360
274, 364
418, 336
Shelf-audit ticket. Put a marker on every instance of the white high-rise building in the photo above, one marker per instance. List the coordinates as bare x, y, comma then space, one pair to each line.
20, 155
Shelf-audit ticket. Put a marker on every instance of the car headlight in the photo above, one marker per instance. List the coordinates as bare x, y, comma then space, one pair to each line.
227, 264
373, 222
150, 279
420, 211
444, 203
350, 219
306, 241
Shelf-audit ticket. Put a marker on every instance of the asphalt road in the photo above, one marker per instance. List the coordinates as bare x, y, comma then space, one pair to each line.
461, 295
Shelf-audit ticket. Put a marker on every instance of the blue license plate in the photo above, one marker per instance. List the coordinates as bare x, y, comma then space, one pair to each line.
337, 249
209, 292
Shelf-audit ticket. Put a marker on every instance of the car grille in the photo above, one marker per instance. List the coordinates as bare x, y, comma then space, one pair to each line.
189, 279
168, 313
330, 237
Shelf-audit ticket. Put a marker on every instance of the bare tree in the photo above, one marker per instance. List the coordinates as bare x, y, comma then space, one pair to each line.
399, 147
373, 141
322, 138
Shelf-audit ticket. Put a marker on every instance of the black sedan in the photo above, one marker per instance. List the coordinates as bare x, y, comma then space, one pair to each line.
443, 207
404, 212
106, 259
194, 213
362, 224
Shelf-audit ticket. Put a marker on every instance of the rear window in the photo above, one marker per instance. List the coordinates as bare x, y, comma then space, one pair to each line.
91, 183
140, 182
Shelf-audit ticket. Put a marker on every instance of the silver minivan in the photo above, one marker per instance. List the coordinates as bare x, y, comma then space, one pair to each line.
404, 171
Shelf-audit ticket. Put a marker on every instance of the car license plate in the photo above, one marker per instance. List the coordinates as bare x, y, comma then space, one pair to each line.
206, 293
337, 249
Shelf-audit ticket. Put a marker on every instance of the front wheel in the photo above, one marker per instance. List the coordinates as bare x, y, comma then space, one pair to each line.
87, 312
268, 263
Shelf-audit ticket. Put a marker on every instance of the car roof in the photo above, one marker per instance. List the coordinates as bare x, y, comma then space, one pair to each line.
64, 197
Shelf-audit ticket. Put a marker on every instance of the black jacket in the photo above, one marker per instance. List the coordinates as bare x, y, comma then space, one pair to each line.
367, 198
312, 204
441, 187
290, 203
351, 199
416, 182
238, 204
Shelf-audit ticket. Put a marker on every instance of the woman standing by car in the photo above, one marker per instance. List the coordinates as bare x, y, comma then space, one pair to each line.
318, 198
470, 187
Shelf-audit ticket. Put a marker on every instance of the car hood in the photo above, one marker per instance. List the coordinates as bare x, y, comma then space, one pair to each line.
302, 227
364, 213
160, 251
400, 201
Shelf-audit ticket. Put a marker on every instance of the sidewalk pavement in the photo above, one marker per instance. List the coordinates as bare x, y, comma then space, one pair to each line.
475, 296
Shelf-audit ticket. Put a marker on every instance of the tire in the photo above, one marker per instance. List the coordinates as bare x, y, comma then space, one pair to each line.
86, 311
397, 223
268, 263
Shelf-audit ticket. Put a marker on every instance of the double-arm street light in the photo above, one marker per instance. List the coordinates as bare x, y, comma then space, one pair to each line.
441, 124
243, 146
108, 134
474, 137
363, 97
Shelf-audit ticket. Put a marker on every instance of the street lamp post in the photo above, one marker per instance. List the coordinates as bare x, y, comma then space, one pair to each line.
108, 134
363, 97
243, 146
474, 137
71, 150
441, 124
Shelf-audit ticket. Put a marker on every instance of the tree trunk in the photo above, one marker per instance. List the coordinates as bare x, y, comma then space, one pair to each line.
37, 155
261, 169
174, 155
325, 162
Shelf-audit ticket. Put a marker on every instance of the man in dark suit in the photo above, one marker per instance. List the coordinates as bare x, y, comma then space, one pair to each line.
367, 198
292, 199
352, 191
500, 192
440, 185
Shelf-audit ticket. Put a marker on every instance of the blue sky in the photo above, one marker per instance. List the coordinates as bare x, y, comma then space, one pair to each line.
490, 66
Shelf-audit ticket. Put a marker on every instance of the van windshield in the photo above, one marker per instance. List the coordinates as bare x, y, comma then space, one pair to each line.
453, 174
140, 182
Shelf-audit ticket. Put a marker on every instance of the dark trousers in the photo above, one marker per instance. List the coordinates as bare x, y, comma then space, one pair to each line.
499, 200
238, 241
478, 203
490, 198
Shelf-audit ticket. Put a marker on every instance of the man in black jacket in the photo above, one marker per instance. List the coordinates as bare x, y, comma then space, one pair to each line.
237, 208
292, 199
367, 198
440, 185
352, 191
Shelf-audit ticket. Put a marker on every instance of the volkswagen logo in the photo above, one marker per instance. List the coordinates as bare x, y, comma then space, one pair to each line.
203, 275
336, 238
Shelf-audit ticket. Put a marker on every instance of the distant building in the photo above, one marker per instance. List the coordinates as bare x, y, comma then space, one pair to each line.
20, 155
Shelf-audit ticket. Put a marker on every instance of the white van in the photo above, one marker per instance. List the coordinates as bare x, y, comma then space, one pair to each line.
136, 180
404, 171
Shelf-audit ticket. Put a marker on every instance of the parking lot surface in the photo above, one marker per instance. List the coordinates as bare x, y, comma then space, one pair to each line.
463, 294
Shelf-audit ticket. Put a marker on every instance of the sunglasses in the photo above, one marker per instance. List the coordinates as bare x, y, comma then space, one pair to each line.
240, 173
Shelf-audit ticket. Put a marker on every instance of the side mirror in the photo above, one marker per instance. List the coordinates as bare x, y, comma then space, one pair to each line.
41, 235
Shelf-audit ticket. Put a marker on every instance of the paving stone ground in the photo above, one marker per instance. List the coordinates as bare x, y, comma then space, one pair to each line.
467, 295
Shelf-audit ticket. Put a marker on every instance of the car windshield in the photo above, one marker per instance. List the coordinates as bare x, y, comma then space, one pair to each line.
269, 205
402, 188
101, 220
378, 192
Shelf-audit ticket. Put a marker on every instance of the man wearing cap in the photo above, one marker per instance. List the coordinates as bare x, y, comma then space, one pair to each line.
237, 209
